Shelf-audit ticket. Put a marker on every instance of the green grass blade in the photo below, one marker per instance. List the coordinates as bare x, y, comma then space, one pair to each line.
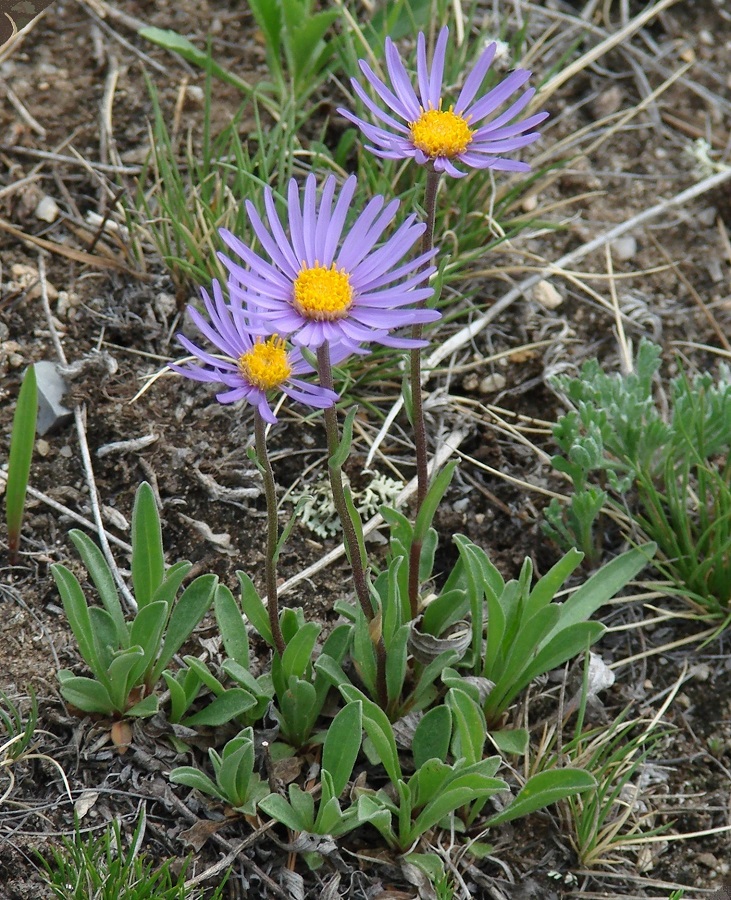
21, 453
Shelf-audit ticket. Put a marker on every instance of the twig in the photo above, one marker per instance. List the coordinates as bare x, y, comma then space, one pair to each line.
80, 420
22, 111
73, 160
79, 256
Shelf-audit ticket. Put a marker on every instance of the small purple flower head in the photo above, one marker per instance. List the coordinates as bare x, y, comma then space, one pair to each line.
326, 284
248, 366
440, 137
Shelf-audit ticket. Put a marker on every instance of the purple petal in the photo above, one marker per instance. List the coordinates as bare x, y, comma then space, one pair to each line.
422, 71
387, 95
309, 218
475, 79
401, 82
294, 214
437, 69
337, 222
275, 226
498, 95
279, 250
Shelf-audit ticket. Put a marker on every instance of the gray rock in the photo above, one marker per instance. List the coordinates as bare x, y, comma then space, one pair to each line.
52, 414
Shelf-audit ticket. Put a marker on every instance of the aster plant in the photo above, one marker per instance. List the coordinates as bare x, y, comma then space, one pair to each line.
251, 367
331, 287
475, 132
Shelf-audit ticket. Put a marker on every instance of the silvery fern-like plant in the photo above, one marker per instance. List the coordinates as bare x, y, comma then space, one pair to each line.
127, 656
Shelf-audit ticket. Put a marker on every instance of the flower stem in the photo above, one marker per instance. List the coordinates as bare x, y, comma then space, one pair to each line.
270, 564
335, 471
360, 578
417, 404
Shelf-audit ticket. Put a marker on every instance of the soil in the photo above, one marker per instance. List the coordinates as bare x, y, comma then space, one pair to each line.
116, 323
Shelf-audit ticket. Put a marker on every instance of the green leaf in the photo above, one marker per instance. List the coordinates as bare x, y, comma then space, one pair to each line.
204, 673
175, 42
276, 807
296, 658
547, 587
77, 612
428, 781
148, 562
178, 698
147, 631
146, 707
119, 671
173, 579
268, 16
470, 787
602, 586
564, 646
396, 657
298, 710
194, 778
511, 740
101, 575
342, 744
222, 710
254, 608
338, 459
437, 490
331, 670
303, 803
370, 810
543, 789
105, 634
470, 729
85, 693
236, 775
379, 730
187, 613
20, 457
432, 736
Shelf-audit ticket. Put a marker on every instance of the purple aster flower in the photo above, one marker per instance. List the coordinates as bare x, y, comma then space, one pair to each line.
440, 137
326, 283
250, 366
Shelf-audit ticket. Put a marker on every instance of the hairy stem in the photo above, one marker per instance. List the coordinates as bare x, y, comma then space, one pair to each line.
270, 564
417, 404
360, 578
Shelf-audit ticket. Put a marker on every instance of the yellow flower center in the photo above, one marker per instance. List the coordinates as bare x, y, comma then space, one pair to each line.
266, 365
323, 294
440, 132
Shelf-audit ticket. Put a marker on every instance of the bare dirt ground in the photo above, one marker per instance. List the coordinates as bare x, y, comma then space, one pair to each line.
73, 125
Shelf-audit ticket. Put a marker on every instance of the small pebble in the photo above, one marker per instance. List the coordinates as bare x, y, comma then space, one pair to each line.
194, 93
43, 448
492, 383
470, 382
547, 295
607, 102
624, 247
66, 451
47, 209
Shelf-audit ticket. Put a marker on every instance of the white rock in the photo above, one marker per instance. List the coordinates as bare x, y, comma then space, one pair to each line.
47, 209
492, 383
547, 295
624, 247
